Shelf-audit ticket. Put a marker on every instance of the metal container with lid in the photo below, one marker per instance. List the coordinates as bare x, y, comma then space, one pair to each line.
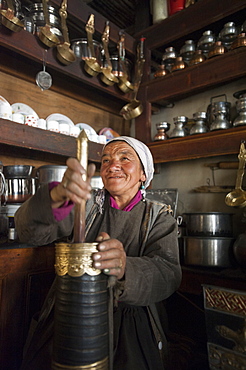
169, 57
162, 128
228, 34
240, 120
179, 130
219, 111
200, 125
206, 41
187, 50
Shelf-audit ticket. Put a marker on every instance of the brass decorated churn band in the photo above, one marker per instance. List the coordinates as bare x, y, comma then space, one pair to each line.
99, 365
225, 300
75, 259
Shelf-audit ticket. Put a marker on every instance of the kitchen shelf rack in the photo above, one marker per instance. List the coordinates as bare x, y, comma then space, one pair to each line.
36, 143
189, 23
211, 144
194, 79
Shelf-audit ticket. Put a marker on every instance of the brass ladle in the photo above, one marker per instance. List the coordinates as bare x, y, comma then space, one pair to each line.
237, 197
9, 19
64, 53
135, 108
45, 35
92, 67
124, 84
107, 76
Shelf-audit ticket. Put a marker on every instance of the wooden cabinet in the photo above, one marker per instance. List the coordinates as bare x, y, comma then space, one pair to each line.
26, 275
173, 31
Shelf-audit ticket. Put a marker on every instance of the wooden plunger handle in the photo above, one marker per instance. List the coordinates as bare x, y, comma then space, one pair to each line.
79, 211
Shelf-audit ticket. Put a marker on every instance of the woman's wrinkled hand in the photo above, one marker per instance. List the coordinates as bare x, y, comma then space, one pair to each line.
111, 256
73, 187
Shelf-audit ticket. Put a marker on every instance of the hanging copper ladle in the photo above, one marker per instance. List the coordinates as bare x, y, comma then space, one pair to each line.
107, 76
45, 34
124, 84
237, 197
9, 19
92, 67
64, 53
135, 108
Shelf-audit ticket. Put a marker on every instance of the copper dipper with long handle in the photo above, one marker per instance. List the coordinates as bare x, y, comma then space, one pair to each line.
237, 197
92, 67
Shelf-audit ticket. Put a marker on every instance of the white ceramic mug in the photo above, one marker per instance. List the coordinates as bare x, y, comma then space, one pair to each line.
31, 120
41, 123
18, 117
74, 131
53, 126
6, 111
64, 128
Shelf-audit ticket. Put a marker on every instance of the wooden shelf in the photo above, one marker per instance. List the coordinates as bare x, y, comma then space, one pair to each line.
197, 17
194, 277
215, 143
194, 79
15, 136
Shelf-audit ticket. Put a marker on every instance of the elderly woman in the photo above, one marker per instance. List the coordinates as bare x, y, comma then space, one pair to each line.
137, 243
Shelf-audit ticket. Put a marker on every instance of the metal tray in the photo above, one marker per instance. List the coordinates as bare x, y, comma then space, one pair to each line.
166, 196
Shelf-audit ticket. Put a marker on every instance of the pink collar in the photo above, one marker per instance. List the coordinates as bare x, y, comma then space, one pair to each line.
132, 203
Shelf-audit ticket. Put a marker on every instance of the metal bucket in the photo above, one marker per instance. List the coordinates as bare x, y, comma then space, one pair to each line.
49, 173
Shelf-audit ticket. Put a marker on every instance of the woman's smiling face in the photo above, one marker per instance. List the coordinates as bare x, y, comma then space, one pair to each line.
121, 169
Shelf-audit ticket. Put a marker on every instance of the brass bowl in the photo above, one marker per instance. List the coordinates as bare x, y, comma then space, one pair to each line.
197, 58
217, 49
161, 71
240, 41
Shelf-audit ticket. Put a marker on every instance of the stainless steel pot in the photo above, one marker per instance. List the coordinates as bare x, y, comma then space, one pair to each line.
36, 15
82, 50
48, 173
208, 252
18, 190
209, 224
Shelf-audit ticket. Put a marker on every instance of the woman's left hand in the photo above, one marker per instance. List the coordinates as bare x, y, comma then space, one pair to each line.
111, 256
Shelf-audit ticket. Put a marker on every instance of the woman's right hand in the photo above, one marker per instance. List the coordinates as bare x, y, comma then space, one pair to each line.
72, 186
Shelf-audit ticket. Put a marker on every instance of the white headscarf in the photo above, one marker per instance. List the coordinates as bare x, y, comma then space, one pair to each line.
144, 154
